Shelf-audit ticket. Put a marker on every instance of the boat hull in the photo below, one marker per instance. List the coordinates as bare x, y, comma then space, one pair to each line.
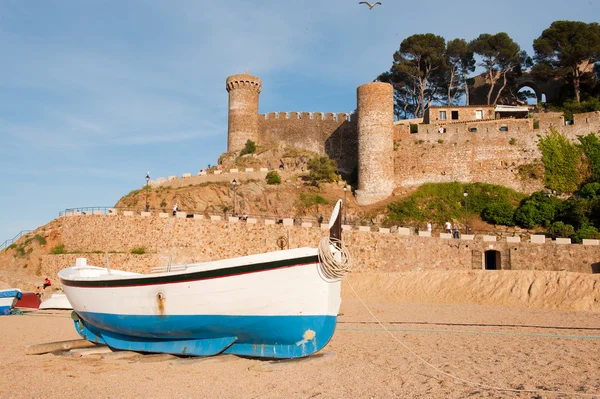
8, 299
257, 306
29, 300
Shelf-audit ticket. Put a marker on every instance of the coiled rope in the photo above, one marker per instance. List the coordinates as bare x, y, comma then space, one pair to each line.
456, 378
334, 258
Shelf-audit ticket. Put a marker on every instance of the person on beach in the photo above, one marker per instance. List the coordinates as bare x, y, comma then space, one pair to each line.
448, 227
429, 227
47, 282
175, 208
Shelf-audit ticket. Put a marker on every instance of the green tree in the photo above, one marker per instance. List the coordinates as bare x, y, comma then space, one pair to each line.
563, 163
460, 63
418, 61
568, 49
249, 148
273, 177
322, 169
501, 59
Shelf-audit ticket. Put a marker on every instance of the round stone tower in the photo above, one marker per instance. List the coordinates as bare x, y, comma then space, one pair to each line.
375, 142
243, 92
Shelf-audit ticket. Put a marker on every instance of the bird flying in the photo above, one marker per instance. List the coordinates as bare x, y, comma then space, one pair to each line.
369, 4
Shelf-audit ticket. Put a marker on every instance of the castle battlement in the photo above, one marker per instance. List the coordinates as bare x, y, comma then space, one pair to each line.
243, 81
316, 116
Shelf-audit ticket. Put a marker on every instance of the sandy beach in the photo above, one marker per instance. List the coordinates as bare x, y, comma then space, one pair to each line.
507, 347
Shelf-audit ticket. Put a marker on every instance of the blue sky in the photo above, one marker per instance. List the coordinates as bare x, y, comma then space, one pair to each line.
95, 93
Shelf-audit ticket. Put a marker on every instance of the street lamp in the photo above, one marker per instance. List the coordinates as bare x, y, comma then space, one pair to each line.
147, 181
345, 190
466, 194
234, 185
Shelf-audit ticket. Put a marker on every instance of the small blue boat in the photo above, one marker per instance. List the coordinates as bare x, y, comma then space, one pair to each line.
8, 299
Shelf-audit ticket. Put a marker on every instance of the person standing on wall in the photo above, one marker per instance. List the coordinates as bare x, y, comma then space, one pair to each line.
448, 227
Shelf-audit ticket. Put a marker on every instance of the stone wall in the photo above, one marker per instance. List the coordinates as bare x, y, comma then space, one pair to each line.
489, 156
196, 240
323, 133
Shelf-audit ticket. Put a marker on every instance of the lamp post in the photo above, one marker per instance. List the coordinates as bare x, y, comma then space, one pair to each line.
466, 194
147, 181
234, 185
345, 191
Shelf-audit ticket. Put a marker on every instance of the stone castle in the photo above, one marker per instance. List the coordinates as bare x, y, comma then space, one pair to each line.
477, 143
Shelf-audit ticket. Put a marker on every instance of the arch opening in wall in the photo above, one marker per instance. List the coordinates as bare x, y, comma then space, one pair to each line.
492, 260
527, 95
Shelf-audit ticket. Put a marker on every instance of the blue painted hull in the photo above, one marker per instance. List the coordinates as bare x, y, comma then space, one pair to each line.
5, 310
207, 335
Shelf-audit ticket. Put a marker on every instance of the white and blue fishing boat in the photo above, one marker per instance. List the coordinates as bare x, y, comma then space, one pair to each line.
8, 299
281, 304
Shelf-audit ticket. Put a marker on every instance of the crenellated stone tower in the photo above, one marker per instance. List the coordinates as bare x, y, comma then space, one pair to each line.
375, 142
243, 92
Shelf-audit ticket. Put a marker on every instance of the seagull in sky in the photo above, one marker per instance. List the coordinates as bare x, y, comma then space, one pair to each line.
369, 4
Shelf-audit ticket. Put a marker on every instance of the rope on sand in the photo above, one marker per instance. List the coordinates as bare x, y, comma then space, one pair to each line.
454, 377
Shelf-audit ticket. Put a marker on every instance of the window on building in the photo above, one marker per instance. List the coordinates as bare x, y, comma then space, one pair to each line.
504, 128
454, 115
473, 129
442, 115
479, 114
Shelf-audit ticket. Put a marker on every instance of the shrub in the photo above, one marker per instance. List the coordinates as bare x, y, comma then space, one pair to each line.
575, 211
536, 124
273, 177
163, 203
322, 169
512, 141
538, 209
58, 250
560, 229
414, 128
499, 213
138, 250
563, 163
41, 240
527, 216
250, 148
590, 145
308, 200
590, 190
587, 233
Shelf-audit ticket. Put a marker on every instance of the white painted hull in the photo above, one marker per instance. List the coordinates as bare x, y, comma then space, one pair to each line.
56, 301
280, 300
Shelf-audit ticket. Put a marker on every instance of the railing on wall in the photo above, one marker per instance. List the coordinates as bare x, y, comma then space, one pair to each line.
7, 243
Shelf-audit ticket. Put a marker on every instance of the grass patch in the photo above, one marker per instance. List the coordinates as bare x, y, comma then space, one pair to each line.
58, 250
138, 251
40, 240
445, 201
